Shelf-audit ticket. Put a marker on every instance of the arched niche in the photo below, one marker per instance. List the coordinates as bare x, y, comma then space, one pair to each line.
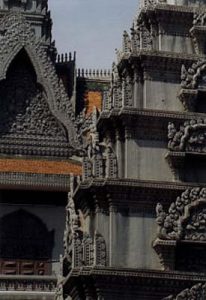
26, 245
25, 236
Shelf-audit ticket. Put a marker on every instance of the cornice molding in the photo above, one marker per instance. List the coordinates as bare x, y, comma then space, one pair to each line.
142, 283
133, 118
31, 181
126, 194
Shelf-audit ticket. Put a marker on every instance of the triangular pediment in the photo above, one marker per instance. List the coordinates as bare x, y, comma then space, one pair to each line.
36, 111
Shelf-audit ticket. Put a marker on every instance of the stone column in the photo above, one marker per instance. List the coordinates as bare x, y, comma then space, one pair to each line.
119, 153
128, 136
112, 231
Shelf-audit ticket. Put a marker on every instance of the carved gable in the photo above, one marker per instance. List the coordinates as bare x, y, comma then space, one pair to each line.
36, 116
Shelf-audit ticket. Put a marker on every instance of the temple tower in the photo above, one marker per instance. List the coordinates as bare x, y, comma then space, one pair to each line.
136, 222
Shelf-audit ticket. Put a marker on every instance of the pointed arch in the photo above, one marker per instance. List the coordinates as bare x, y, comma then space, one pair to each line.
36, 65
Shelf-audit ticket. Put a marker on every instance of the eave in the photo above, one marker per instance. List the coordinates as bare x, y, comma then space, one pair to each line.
160, 60
144, 284
142, 119
127, 194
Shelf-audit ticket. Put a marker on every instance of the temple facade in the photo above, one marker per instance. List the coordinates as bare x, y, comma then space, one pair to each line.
102, 174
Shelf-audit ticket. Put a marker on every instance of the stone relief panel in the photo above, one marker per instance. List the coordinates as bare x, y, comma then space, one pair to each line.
190, 137
100, 160
81, 249
186, 217
24, 109
191, 77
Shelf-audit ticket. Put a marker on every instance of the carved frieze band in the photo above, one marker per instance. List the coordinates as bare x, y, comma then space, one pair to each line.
41, 284
186, 217
197, 292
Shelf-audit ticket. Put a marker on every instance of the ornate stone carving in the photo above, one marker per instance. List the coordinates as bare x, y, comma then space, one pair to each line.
99, 250
197, 292
16, 35
100, 160
116, 88
88, 251
24, 108
81, 249
72, 226
135, 38
191, 77
107, 99
126, 43
28, 284
196, 226
191, 136
186, 217
146, 37
198, 31
149, 3
127, 91
199, 19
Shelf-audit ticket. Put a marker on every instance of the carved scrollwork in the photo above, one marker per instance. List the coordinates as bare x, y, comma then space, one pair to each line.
197, 292
191, 136
186, 217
